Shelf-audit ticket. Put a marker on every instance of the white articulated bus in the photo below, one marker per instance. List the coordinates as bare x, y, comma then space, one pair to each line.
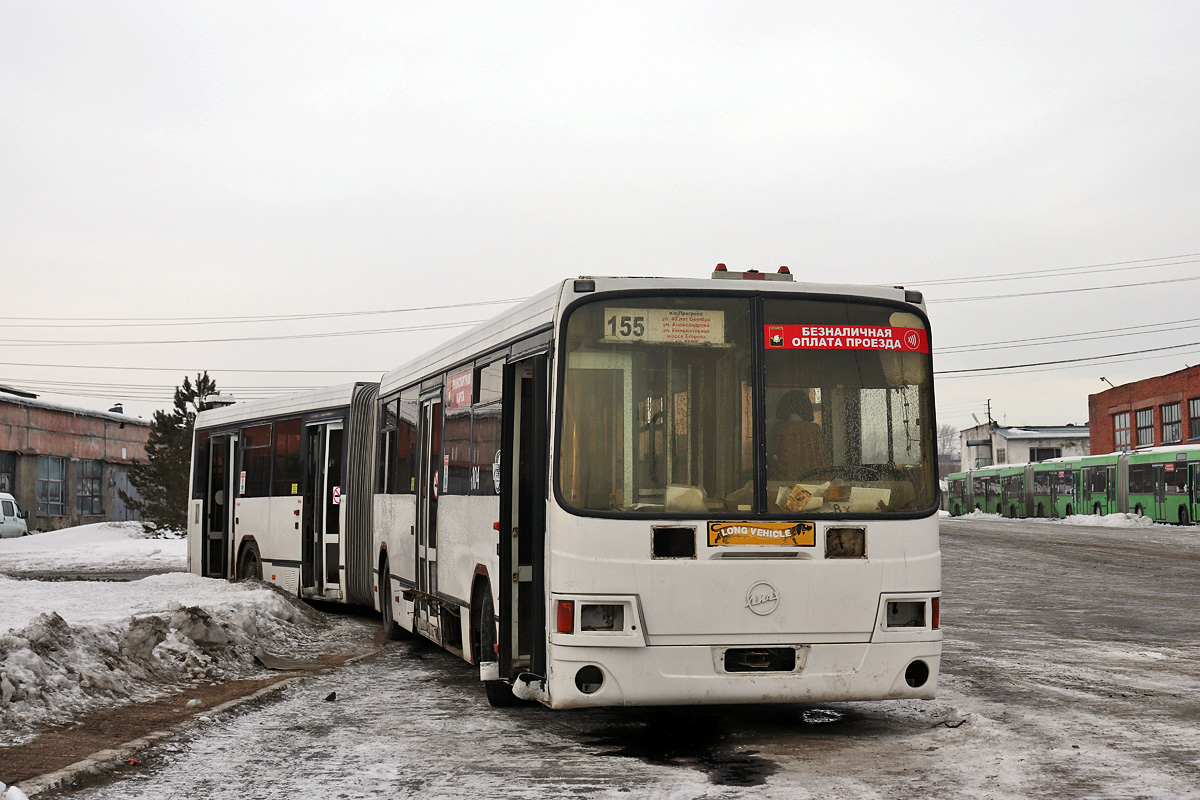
653, 491
281, 490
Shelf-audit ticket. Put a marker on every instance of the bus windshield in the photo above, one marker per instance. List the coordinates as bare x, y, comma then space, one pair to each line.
660, 408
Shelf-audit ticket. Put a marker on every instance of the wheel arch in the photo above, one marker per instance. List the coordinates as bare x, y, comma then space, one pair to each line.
481, 583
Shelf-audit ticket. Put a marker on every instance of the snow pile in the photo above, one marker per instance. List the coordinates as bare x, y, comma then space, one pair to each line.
977, 514
100, 547
1092, 520
1107, 520
72, 646
13, 793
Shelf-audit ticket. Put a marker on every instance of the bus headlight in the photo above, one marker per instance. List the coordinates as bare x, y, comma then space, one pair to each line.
601, 617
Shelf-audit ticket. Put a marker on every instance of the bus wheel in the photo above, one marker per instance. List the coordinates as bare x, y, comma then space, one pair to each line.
250, 564
1137, 510
499, 693
1070, 511
1096, 509
1000, 509
391, 629
1183, 516
1041, 510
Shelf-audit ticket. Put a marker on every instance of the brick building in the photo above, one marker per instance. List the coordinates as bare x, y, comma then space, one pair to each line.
1164, 410
65, 465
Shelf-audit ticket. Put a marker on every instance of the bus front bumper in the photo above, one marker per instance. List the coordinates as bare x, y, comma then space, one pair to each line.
582, 677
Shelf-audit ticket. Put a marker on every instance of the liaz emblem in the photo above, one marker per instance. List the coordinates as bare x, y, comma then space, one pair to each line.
762, 599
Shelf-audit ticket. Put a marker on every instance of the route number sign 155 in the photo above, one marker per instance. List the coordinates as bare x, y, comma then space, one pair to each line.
664, 325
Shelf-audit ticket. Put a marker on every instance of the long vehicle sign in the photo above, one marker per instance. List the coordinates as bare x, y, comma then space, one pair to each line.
845, 337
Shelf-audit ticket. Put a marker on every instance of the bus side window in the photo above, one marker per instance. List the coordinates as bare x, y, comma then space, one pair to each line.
385, 450
286, 481
404, 478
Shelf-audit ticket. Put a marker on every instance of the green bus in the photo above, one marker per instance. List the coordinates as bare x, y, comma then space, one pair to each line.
1161, 483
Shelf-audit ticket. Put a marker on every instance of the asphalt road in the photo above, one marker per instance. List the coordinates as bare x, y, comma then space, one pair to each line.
1071, 669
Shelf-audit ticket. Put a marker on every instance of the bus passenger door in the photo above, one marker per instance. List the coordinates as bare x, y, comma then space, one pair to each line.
218, 494
331, 510
1193, 493
523, 492
426, 612
320, 572
1160, 491
1110, 490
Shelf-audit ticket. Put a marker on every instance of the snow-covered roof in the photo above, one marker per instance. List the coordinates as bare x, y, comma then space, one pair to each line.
1044, 432
114, 416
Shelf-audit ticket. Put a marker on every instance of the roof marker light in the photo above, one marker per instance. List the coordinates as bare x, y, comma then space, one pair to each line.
784, 271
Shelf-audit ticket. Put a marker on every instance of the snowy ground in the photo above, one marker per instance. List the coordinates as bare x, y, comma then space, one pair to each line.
67, 647
1069, 671
102, 547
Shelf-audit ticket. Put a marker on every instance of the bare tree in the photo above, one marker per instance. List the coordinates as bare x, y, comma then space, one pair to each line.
947, 440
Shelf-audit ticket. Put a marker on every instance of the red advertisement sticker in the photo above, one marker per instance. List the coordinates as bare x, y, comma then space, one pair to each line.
459, 392
845, 337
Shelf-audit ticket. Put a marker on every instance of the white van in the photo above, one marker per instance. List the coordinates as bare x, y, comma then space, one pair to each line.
12, 518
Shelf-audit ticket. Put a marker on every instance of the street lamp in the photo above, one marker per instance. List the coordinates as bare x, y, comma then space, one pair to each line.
1106, 380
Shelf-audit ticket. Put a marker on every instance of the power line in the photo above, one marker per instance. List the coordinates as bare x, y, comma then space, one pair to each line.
1070, 338
1058, 271
280, 337
189, 371
1097, 359
123, 322
145, 386
1062, 291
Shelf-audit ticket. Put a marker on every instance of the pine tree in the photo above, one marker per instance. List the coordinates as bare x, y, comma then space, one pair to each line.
162, 481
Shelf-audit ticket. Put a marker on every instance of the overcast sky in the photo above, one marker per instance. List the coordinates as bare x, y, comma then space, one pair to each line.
176, 161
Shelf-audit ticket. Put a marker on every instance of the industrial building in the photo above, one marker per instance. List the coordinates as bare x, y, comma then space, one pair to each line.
989, 443
65, 465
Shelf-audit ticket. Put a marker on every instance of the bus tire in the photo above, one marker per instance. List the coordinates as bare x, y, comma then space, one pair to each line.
391, 629
1137, 510
249, 564
1000, 509
1041, 510
499, 693
1096, 509
1070, 511
1183, 516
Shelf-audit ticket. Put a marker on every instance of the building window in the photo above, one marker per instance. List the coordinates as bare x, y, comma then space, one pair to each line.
1121, 430
51, 472
1194, 418
1001, 454
1171, 425
1145, 427
1043, 453
87, 487
8, 471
